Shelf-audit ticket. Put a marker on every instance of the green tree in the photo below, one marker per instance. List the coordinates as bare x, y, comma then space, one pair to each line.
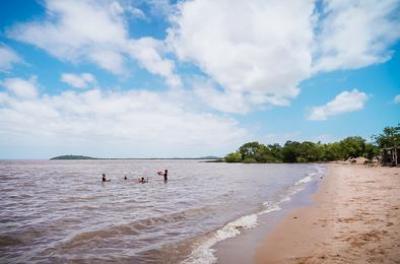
332, 151
353, 147
309, 152
293, 151
263, 154
290, 151
390, 138
249, 150
371, 151
276, 151
233, 157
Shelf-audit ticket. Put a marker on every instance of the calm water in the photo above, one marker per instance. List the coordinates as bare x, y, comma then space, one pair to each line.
60, 211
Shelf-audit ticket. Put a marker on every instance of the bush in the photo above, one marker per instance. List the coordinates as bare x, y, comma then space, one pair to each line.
233, 157
249, 160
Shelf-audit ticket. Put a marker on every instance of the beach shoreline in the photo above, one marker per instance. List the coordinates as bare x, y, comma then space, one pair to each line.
355, 218
242, 248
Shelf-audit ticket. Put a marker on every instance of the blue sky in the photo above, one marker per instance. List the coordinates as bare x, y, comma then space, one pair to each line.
159, 78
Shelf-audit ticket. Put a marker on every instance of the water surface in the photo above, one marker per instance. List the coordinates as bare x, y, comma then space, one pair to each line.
59, 211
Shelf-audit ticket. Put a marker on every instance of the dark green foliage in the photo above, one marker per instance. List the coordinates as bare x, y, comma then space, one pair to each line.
72, 157
332, 152
389, 138
389, 142
250, 150
276, 151
290, 151
233, 157
306, 151
353, 147
371, 151
294, 152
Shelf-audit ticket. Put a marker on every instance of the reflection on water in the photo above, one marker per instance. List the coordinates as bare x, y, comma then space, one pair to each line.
58, 211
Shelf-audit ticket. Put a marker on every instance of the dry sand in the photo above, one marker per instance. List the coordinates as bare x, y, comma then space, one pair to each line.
355, 219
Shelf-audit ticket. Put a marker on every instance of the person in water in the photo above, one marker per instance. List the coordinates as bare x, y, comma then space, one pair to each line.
165, 174
142, 180
125, 178
104, 179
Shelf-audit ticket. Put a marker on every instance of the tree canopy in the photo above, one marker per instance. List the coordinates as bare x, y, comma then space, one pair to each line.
389, 138
294, 151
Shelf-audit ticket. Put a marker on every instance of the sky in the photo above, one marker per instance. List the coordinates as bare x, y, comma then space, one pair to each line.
160, 78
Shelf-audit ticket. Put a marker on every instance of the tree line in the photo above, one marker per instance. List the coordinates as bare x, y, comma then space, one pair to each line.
306, 151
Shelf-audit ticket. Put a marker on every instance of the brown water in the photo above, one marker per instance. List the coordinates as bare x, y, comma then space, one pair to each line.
60, 211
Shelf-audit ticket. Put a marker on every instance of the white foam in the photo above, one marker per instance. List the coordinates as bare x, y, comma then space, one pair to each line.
204, 253
269, 209
286, 199
319, 171
306, 179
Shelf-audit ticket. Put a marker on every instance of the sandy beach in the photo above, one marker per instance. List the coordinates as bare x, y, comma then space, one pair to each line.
355, 219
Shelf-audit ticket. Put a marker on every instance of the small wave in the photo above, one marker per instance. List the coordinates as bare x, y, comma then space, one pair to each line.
318, 171
270, 207
300, 184
204, 253
130, 229
306, 179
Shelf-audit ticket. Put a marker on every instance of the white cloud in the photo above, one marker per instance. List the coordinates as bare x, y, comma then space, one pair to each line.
238, 102
125, 123
356, 33
397, 99
82, 80
347, 101
255, 55
161, 7
260, 50
137, 13
94, 31
8, 58
147, 51
21, 88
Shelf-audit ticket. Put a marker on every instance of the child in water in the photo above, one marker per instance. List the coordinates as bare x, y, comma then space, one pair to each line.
142, 180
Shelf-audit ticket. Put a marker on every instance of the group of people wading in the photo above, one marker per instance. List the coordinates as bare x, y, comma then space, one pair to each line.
140, 179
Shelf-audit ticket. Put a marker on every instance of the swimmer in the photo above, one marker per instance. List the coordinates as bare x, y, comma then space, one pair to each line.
104, 178
142, 180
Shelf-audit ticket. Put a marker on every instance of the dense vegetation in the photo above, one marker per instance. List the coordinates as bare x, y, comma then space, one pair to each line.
389, 138
293, 151
72, 157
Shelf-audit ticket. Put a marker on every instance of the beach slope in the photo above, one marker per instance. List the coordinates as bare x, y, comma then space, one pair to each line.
355, 219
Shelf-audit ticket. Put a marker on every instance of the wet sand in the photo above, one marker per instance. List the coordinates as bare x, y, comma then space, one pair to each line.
355, 219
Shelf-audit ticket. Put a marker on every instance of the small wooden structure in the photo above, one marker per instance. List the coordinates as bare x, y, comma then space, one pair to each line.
390, 156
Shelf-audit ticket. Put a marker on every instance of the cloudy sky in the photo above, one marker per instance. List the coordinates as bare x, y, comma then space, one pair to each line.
160, 78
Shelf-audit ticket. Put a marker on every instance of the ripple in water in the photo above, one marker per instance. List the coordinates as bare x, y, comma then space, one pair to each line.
59, 211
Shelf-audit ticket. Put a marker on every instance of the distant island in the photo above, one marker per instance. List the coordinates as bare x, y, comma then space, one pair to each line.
81, 157
72, 157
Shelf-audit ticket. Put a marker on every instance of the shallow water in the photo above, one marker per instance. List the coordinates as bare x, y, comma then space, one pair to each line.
60, 211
